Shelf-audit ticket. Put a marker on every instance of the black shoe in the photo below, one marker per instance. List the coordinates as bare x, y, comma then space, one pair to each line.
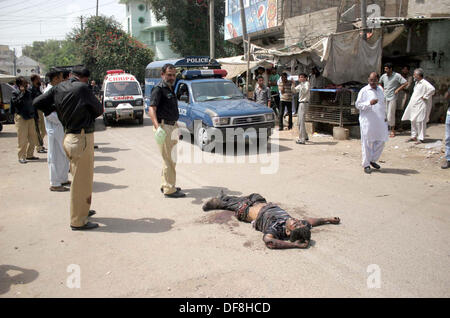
91, 213
176, 194
368, 170
22, 161
42, 151
68, 183
59, 189
298, 142
375, 165
178, 189
87, 226
446, 165
33, 158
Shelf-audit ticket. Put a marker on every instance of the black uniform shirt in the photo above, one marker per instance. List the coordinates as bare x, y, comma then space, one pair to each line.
22, 103
76, 105
165, 100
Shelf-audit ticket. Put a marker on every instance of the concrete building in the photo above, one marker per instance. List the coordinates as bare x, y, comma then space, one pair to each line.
26, 66
142, 24
6, 60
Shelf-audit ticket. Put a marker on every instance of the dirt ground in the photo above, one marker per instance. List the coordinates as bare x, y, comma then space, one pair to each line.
395, 223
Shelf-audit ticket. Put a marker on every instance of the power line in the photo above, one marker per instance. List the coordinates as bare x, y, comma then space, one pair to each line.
43, 4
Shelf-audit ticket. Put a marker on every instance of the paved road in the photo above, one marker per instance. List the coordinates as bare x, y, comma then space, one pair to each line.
395, 223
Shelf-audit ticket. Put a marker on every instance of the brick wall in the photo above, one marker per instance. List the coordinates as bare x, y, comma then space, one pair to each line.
429, 8
310, 26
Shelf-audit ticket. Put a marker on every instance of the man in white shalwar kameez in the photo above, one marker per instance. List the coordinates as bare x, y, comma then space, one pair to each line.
419, 107
373, 123
58, 163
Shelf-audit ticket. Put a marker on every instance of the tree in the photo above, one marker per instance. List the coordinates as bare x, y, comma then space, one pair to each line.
103, 45
188, 26
52, 53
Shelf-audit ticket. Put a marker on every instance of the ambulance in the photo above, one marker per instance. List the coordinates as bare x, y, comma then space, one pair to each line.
122, 98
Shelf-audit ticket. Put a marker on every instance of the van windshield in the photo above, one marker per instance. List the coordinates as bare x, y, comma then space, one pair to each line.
122, 89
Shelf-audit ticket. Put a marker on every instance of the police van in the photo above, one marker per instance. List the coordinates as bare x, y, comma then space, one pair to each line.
122, 98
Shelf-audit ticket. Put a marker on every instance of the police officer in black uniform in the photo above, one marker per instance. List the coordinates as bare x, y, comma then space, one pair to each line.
164, 115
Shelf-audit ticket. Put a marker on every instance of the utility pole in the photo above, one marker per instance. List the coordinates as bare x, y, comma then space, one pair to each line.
211, 29
81, 21
15, 63
245, 40
96, 10
364, 18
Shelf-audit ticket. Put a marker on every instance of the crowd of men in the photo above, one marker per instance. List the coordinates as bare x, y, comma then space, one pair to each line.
384, 103
66, 110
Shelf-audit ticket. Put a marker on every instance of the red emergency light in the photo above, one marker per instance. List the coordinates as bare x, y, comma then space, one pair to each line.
110, 72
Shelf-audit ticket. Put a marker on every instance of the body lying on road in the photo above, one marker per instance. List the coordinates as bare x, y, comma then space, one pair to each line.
276, 224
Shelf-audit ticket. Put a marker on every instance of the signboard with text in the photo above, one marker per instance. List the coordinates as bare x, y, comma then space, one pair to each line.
259, 14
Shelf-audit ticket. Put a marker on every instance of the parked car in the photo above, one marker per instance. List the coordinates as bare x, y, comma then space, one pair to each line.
210, 105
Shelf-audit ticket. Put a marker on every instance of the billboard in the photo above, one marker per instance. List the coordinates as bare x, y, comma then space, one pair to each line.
259, 14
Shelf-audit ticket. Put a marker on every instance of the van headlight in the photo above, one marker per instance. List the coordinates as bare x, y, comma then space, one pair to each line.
221, 121
139, 102
109, 104
269, 117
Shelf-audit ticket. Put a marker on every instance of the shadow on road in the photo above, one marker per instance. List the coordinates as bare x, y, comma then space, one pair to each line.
6, 280
403, 172
107, 169
110, 149
8, 134
207, 192
103, 187
321, 143
144, 225
104, 158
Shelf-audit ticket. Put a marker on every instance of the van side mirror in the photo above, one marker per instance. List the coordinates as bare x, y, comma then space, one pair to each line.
184, 98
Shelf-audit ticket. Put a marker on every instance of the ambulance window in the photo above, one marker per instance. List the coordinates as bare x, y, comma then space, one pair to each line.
122, 89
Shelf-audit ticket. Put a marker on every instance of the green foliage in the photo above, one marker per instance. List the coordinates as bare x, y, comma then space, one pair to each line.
188, 26
52, 53
102, 45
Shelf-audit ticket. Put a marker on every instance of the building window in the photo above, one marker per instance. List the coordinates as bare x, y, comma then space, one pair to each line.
141, 7
152, 39
160, 36
141, 20
18, 70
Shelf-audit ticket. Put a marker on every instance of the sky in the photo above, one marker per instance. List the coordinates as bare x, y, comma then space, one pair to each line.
25, 21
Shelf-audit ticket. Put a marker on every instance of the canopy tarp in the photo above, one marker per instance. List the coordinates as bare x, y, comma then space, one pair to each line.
236, 65
351, 58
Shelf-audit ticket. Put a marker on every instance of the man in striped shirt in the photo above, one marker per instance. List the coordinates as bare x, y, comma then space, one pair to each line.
261, 95
285, 88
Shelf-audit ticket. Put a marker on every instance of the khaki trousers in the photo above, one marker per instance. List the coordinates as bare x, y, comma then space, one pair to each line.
168, 153
26, 136
79, 149
40, 131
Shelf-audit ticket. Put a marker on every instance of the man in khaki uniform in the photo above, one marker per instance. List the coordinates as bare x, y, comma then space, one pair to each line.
77, 108
38, 116
24, 112
164, 114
